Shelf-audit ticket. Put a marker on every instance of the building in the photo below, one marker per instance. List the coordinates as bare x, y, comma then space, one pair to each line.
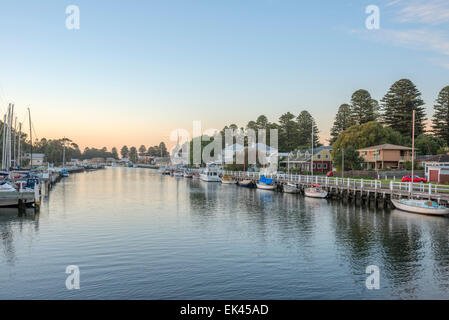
437, 168
385, 156
302, 159
38, 158
230, 151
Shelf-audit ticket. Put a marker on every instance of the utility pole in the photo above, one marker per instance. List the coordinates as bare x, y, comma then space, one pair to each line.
343, 163
413, 144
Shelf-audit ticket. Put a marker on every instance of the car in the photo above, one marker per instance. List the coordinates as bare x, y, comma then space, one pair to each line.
330, 174
415, 179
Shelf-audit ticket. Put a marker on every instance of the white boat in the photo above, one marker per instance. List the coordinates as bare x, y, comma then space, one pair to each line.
420, 206
315, 192
264, 186
210, 175
290, 188
178, 174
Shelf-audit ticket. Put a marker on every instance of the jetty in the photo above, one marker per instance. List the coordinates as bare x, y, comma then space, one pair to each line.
375, 192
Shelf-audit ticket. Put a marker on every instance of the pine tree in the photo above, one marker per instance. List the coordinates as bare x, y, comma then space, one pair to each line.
364, 108
440, 121
305, 123
288, 133
343, 120
398, 105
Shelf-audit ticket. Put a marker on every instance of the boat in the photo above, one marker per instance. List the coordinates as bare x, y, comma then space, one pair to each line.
196, 176
315, 192
188, 174
247, 183
227, 179
210, 174
290, 188
178, 174
265, 183
64, 173
420, 206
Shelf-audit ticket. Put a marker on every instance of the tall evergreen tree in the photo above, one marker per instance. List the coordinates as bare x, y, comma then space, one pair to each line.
343, 120
124, 152
398, 105
305, 124
133, 154
114, 153
288, 134
440, 121
363, 108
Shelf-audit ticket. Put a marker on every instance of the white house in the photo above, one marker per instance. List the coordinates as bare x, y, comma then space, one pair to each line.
38, 158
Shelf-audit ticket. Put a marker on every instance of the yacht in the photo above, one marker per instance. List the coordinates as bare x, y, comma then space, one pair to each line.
210, 174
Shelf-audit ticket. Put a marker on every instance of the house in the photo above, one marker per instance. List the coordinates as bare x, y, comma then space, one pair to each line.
437, 168
302, 159
38, 158
230, 151
385, 156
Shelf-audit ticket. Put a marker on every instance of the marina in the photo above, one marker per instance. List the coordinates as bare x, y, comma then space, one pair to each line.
187, 238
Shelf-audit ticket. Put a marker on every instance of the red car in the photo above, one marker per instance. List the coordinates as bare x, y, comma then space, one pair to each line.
415, 179
330, 174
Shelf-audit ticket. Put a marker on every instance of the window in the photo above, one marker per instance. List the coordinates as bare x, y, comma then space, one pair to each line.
319, 165
325, 165
319, 156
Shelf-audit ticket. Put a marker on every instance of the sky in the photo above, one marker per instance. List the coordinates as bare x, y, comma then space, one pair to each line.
137, 70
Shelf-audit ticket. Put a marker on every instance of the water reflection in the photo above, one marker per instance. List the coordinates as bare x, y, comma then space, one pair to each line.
15, 223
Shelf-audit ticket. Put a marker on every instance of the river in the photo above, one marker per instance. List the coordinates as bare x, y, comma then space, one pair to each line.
135, 234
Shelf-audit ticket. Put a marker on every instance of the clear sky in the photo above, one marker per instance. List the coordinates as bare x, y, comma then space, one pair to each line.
136, 70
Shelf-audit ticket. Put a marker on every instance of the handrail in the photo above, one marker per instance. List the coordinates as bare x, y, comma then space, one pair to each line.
425, 188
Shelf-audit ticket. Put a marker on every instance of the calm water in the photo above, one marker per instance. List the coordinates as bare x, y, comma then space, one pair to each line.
137, 235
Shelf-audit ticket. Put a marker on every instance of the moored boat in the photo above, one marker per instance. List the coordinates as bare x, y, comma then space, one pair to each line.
420, 206
290, 188
266, 184
210, 174
247, 183
227, 179
315, 192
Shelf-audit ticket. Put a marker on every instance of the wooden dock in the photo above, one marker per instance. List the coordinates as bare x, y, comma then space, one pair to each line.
375, 192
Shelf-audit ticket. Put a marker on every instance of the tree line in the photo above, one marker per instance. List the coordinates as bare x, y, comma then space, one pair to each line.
133, 153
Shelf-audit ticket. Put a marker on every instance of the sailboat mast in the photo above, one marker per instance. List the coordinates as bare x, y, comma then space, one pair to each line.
31, 140
4, 143
63, 153
311, 162
19, 145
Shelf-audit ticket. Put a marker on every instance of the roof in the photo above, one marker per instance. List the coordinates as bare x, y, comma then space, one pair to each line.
386, 146
304, 155
438, 158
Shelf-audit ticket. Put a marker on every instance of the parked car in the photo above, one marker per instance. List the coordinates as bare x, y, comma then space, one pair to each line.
415, 179
330, 174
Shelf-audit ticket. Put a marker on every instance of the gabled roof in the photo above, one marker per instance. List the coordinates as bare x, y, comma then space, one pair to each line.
438, 158
387, 146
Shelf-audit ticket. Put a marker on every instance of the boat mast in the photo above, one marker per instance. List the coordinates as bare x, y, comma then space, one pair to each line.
18, 146
413, 144
311, 162
63, 153
31, 140
4, 143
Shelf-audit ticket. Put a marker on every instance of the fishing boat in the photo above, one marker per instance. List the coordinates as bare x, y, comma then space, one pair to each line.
265, 183
290, 188
210, 174
227, 179
247, 183
420, 206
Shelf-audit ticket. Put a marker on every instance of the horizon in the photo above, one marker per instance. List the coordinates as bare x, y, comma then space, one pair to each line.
133, 73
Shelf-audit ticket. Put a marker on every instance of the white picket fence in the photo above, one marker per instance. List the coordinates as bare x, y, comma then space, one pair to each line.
358, 184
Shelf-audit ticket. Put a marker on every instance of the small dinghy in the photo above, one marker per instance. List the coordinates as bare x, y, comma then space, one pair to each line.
315, 192
247, 183
290, 188
266, 184
227, 179
420, 206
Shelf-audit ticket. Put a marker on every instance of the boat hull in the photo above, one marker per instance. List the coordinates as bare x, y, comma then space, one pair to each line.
228, 181
290, 189
264, 186
312, 193
207, 178
420, 210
